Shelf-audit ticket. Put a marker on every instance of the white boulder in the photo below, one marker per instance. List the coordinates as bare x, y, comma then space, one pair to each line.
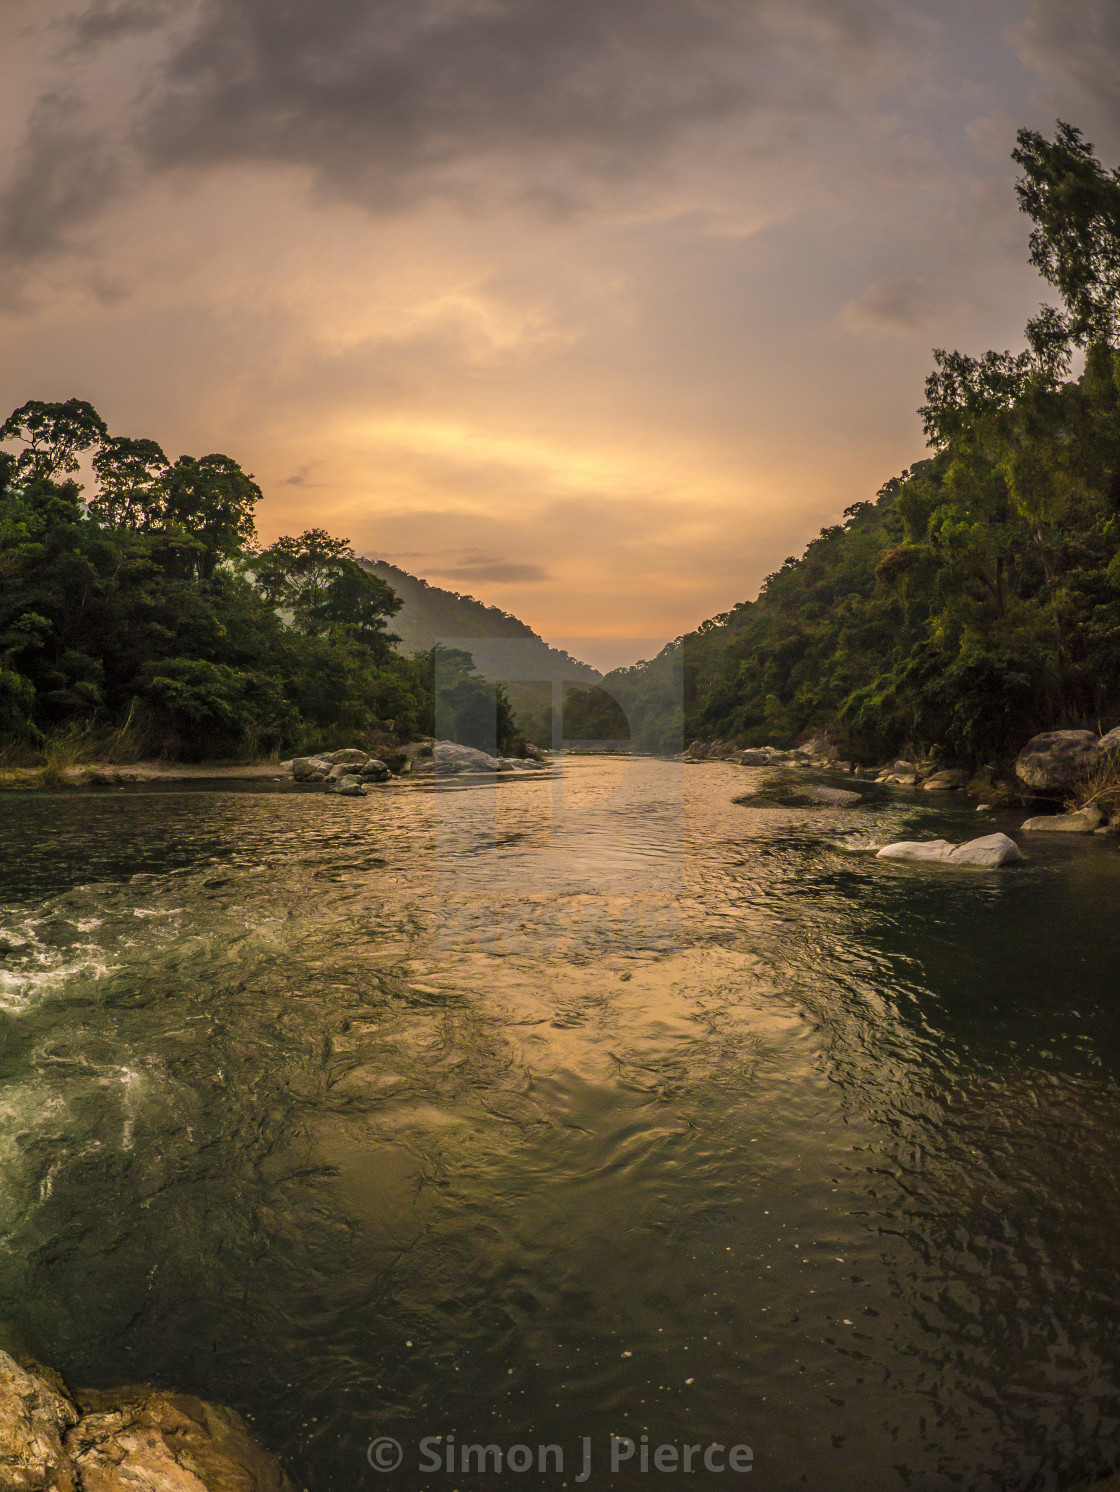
989, 850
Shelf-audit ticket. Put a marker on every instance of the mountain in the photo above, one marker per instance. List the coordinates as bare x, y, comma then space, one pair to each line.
504, 648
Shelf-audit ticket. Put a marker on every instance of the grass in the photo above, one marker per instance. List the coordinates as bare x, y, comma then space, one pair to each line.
59, 758
1100, 787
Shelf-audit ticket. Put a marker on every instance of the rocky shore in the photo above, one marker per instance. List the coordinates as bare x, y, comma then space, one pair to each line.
350, 772
1078, 770
135, 1439
390, 758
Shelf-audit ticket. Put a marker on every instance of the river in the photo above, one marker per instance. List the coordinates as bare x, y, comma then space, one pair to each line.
579, 1104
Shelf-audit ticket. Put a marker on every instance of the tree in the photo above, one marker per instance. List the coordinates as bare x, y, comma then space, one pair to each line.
52, 435
131, 484
318, 580
212, 501
1075, 245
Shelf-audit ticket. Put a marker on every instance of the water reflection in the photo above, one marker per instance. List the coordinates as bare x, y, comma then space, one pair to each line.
450, 1110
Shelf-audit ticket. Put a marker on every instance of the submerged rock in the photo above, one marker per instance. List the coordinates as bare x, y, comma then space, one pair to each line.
128, 1440
830, 797
793, 795
1085, 822
349, 787
989, 850
1057, 759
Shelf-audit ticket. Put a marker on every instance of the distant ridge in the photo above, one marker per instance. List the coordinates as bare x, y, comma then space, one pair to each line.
431, 614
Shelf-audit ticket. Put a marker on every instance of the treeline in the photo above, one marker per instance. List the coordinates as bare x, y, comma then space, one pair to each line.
976, 600
146, 614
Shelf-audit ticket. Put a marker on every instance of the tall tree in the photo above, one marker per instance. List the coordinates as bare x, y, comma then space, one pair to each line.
131, 483
211, 500
319, 581
52, 436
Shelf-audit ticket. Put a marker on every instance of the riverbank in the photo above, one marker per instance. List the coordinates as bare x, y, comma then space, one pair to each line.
108, 774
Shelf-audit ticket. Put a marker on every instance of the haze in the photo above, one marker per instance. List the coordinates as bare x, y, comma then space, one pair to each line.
594, 309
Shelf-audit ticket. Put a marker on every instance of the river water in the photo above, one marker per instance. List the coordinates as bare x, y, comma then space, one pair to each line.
578, 1104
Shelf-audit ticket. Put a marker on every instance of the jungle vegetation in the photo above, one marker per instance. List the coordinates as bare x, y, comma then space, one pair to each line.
143, 618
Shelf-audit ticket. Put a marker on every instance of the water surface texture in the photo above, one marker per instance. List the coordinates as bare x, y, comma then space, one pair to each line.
566, 1106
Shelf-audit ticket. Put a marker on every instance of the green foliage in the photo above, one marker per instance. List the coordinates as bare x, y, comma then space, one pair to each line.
148, 610
465, 706
319, 581
594, 715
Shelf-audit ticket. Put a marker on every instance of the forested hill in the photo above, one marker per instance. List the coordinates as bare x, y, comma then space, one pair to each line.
430, 615
976, 599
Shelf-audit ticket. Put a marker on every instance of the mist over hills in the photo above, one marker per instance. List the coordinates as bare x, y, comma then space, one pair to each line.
431, 614
503, 647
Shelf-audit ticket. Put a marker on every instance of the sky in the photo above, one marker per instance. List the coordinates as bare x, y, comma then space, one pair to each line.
593, 309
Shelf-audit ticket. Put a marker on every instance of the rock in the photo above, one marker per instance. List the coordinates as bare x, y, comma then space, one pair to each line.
536, 753
788, 795
990, 850
310, 768
907, 849
831, 797
904, 769
1057, 759
349, 757
374, 771
34, 1417
130, 1440
1110, 742
983, 808
349, 787
820, 747
143, 1441
449, 757
1066, 823
947, 780
417, 749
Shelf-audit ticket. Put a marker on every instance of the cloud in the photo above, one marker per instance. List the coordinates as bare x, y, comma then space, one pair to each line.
113, 20
388, 100
64, 174
900, 305
501, 573
553, 106
1076, 49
